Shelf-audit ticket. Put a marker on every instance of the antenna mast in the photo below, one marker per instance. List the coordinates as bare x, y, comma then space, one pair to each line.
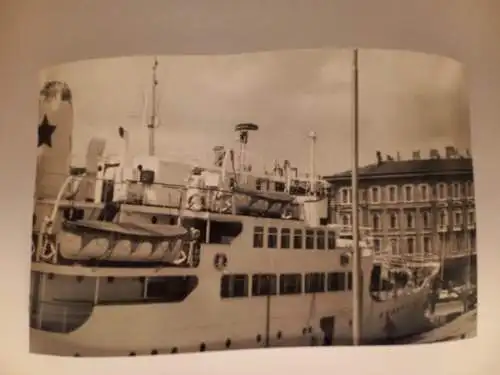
153, 118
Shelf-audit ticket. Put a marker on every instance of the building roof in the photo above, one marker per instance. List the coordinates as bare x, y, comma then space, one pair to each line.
407, 168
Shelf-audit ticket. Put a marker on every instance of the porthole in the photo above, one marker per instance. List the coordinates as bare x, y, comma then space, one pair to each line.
174, 350
110, 279
279, 335
132, 354
139, 167
50, 276
79, 279
203, 347
154, 352
258, 338
154, 219
228, 343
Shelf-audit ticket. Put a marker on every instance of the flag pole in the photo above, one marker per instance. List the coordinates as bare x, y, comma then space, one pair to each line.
357, 317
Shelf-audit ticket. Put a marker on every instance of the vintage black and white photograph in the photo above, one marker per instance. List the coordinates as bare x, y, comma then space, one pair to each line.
296, 198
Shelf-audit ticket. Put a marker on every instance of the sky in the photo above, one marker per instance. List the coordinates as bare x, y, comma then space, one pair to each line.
407, 101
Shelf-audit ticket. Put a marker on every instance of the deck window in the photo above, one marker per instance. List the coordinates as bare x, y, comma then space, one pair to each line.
170, 288
331, 240
297, 239
320, 240
315, 282
291, 283
309, 239
264, 285
272, 238
258, 237
336, 282
285, 238
232, 286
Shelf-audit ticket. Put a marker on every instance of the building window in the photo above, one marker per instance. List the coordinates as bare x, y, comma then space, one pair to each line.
427, 245
393, 220
456, 190
470, 189
392, 193
408, 193
345, 195
471, 217
443, 218
233, 286
320, 240
291, 283
264, 285
336, 282
410, 245
309, 239
377, 245
331, 240
258, 237
457, 218
297, 239
424, 192
426, 219
375, 194
363, 196
315, 283
394, 243
285, 238
410, 220
345, 219
376, 221
272, 238
442, 193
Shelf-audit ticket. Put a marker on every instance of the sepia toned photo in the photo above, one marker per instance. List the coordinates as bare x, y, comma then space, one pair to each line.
189, 204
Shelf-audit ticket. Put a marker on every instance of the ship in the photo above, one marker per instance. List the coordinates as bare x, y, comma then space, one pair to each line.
144, 257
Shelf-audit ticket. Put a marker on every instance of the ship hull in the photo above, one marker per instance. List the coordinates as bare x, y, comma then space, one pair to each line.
162, 328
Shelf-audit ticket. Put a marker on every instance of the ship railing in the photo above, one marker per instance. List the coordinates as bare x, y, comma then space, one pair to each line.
61, 317
182, 196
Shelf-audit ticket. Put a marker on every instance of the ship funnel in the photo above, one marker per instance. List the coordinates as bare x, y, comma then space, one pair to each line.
55, 129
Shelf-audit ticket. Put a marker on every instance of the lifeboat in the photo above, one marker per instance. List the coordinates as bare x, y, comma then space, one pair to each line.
121, 242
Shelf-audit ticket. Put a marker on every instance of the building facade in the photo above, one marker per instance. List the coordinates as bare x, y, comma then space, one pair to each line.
417, 206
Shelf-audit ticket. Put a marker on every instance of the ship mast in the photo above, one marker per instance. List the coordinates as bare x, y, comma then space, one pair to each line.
153, 118
357, 317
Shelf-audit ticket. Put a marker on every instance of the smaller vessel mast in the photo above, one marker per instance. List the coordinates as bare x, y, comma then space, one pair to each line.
312, 168
153, 119
243, 130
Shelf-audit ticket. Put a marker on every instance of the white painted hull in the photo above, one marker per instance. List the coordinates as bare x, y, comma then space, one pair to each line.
142, 329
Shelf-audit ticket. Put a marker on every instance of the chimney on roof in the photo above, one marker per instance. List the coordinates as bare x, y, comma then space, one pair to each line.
451, 152
416, 155
398, 156
434, 154
379, 158
389, 157
468, 154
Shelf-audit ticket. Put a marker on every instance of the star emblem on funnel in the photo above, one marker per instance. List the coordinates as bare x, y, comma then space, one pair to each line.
45, 132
